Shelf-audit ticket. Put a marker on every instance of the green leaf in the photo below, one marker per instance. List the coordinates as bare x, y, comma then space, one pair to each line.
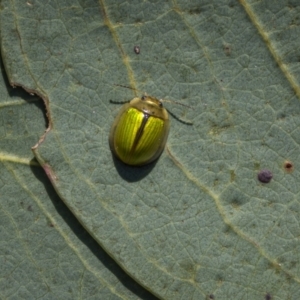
198, 224
44, 251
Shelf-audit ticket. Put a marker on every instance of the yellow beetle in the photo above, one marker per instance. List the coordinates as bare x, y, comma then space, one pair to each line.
140, 131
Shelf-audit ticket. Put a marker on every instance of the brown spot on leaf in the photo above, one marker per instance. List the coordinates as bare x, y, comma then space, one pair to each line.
288, 166
227, 49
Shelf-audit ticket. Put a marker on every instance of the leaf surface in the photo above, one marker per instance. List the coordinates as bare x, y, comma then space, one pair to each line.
45, 253
197, 224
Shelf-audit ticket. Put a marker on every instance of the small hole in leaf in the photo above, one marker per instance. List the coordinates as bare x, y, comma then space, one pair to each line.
288, 166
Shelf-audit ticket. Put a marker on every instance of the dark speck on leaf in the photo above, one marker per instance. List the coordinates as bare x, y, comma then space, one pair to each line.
265, 176
137, 49
211, 296
195, 11
268, 296
227, 49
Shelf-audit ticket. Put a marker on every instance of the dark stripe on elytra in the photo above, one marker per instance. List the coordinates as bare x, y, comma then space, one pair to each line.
139, 133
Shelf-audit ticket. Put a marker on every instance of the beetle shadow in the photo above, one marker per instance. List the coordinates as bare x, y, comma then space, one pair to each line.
132, 173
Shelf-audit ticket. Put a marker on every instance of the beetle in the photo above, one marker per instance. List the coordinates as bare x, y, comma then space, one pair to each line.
140, 131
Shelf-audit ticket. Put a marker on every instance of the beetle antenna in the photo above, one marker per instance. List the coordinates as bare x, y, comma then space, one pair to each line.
186, 122
127, 87
119, 102
162, 100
